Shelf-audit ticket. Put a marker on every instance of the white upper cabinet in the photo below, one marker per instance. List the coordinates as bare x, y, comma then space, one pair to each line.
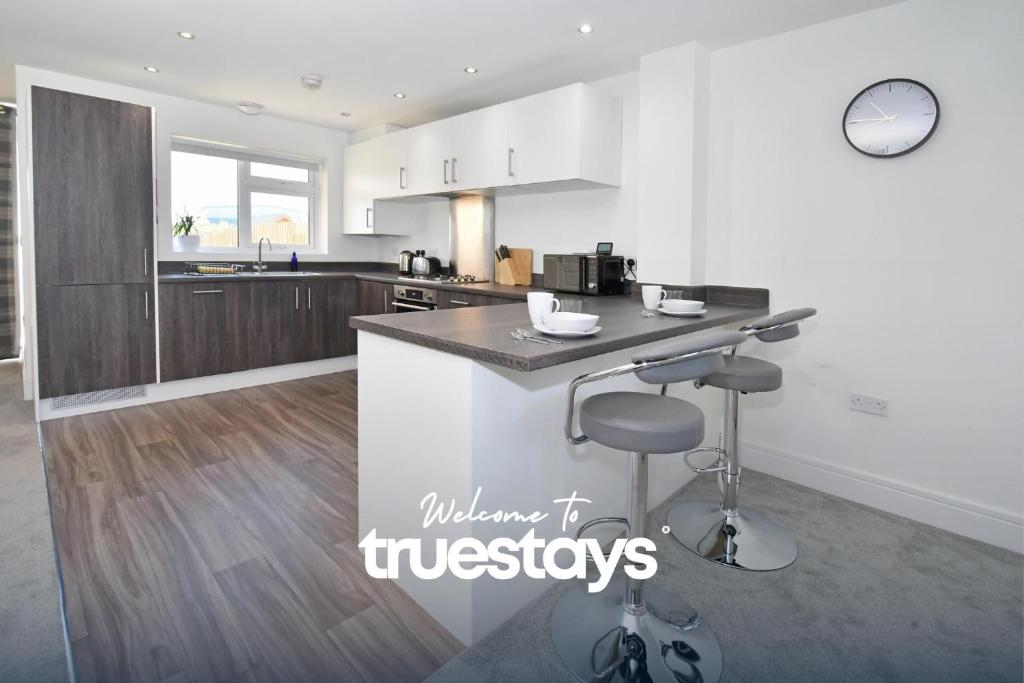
569, 138
572, 133
374, 169
480, 149
430, 158
357, 191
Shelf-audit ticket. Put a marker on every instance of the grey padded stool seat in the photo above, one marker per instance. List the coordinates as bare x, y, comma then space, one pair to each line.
632, 631
721, 531
649, 423
743, 373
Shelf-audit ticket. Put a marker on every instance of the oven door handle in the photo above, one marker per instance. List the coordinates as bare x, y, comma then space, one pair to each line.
399, 304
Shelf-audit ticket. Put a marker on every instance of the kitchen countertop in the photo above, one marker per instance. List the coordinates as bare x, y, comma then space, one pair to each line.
483, 333
487, 288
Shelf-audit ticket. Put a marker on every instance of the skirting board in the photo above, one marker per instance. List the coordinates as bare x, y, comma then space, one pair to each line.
989, 525
183, 388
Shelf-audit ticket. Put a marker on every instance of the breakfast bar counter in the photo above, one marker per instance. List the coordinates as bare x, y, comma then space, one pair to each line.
484, 333
480, 417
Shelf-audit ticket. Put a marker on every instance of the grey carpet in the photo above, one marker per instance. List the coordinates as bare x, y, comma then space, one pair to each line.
31, 635
871, 597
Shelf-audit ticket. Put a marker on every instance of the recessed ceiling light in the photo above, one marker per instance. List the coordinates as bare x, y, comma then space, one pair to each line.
250, 108
346, 113
151, 69
585, 28
400, 95
186, 35
470, 69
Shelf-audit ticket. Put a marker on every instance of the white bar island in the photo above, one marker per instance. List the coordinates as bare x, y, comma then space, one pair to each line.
450, 404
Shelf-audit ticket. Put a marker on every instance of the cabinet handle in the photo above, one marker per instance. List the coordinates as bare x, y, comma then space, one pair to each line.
369, 220
453, 170
401, 177
145, 261
147, 304
309, 298
207, 291
460, 303
445, 171
511, 170
296, 298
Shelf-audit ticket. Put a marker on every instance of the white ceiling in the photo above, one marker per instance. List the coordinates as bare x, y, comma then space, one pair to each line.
369, 49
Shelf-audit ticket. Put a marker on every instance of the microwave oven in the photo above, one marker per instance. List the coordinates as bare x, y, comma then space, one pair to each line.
590, 274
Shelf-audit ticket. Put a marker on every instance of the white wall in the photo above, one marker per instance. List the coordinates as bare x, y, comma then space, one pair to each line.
6, 83
177, 116
914, 262
567, 222
673, 157
430, 232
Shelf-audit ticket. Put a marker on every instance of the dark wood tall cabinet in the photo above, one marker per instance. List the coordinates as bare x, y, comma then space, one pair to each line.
92, 165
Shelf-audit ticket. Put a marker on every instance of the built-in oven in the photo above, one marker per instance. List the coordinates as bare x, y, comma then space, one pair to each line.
411, 299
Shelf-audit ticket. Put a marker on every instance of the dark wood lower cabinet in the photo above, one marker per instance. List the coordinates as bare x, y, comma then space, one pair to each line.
334, 301
375, 297
95, 337
213, 328
272, 320
448, 299
195, 336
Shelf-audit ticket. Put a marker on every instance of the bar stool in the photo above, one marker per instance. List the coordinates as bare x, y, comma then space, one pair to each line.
721, 531
630, 631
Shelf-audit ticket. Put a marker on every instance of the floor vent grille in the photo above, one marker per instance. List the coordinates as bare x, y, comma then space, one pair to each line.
91, 397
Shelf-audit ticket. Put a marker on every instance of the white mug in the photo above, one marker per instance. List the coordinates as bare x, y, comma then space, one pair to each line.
653, 295
541, 303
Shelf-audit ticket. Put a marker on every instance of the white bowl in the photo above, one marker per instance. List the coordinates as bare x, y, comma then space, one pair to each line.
682, 305
563, 321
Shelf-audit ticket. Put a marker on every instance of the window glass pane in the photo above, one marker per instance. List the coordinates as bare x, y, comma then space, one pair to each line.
299, 175
283, 219
206, 187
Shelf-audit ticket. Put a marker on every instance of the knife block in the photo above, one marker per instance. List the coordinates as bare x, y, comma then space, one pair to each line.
517, 269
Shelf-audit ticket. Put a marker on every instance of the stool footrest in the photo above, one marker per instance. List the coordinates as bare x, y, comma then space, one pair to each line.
706, 449
597, 522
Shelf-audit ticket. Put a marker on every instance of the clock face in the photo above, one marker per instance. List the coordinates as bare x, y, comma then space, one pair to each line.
891, 118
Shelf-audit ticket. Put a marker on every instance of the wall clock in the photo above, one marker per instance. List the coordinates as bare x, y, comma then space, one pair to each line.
891, 118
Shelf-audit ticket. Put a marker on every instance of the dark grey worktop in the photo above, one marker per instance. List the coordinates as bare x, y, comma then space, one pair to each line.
483, 333
488, 288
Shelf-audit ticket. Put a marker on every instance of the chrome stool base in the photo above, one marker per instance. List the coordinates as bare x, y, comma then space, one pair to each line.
746, 539
600, 642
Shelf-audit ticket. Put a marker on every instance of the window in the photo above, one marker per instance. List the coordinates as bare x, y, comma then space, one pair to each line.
238, 197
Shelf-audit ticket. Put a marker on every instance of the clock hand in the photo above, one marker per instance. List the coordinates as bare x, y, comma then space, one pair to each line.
885, 118
879, 110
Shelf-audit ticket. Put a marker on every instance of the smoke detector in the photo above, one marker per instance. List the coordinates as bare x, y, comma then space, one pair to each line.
311, 81
250, 108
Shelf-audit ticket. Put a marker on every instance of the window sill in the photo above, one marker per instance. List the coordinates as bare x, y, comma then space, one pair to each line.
251, 255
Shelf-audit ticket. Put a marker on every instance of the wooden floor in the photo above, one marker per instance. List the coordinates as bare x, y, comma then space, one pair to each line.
214, 539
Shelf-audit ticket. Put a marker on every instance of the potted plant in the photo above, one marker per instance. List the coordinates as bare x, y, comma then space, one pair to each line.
186, 235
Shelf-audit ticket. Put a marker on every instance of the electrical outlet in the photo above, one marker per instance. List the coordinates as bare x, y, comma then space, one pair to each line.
869, 404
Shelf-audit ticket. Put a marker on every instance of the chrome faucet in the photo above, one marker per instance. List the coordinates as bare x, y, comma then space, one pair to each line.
260, 266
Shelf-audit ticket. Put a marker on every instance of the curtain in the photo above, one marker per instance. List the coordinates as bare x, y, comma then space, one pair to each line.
8, 294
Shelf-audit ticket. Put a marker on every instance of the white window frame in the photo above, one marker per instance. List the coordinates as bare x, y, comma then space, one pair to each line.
248, 183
